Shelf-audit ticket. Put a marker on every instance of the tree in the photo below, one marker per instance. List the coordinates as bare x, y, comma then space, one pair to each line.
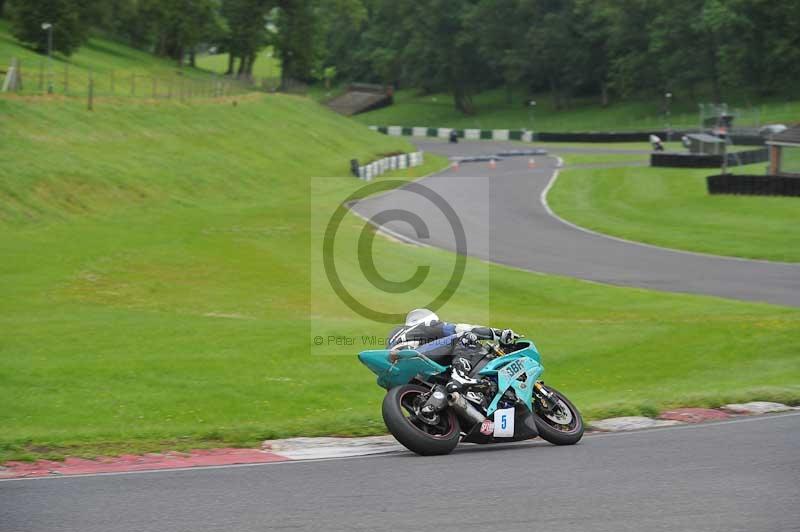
568, 47
631, 65
763, 45
593, 23
178, 26
70, 20
440, 54
339, 26
246, 32
295, 39
499, 24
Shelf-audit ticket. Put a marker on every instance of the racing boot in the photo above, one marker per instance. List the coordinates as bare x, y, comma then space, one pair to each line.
459, 380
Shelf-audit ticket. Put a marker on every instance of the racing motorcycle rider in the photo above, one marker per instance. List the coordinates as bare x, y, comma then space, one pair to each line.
424, 332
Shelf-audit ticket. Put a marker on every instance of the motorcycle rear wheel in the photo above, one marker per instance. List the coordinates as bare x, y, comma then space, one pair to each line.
400, 413
564, 427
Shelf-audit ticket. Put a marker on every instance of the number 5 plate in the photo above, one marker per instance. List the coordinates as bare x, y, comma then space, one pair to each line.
504, 423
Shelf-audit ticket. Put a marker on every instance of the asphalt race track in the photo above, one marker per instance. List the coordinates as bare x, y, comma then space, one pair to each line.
740, 475
505, 221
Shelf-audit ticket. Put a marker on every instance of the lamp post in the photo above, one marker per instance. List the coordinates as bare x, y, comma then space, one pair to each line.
668, 100
531, 105
49, 29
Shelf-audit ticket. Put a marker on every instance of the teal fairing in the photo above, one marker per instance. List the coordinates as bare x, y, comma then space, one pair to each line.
401, 367
508, 369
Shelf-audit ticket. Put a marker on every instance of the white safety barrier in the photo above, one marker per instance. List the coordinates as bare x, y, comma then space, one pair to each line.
468, 134
499, 134
372, 170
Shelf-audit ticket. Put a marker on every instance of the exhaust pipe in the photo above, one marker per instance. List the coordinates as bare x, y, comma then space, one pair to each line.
465, 409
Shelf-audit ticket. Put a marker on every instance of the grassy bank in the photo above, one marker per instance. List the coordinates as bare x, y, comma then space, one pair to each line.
156, 292
493, 112
671, 207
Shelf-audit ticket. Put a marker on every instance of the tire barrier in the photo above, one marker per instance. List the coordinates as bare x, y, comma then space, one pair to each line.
750, 156
529, 136
753, 185
444, 133
747, 140
523, 135
372, 170
608, 136
699, 160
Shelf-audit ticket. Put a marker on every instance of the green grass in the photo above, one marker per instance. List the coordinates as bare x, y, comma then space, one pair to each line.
160, 287
266, 65
437, 110
117, 70
671, 207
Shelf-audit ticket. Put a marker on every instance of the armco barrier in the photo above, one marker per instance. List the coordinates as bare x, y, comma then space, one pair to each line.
587, 136
524, 135
372, 170
757, 185
606, 136
698, 160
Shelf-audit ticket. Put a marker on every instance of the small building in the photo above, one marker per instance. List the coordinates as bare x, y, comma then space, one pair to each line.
784, 153
702, 143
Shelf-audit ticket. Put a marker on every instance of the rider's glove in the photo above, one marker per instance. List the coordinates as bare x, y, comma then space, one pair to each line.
508, 337
469, 339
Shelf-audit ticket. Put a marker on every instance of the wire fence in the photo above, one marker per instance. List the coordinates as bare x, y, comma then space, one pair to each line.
61, 78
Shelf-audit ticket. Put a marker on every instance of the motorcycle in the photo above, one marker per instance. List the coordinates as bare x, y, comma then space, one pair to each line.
508, 403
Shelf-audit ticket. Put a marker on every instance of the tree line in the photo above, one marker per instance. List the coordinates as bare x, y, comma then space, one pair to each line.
572, 48
569, 48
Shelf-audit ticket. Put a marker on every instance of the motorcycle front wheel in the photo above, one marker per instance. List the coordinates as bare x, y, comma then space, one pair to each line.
400, 410
563, 425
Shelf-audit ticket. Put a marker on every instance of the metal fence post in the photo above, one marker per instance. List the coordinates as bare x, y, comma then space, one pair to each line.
90, 103
66, 78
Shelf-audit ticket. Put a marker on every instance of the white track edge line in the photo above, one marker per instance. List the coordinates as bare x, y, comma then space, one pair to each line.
546, 205
598, 434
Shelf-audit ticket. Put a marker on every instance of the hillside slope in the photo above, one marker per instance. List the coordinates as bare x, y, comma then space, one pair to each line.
68, 161
160, 286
